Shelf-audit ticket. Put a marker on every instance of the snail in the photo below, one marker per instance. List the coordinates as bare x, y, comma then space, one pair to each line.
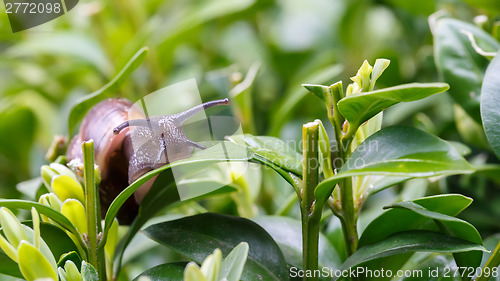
116, 126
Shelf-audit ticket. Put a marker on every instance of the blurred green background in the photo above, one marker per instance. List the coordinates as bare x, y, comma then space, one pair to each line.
45, 70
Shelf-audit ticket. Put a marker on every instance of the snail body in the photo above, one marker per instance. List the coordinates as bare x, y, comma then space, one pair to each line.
127, 145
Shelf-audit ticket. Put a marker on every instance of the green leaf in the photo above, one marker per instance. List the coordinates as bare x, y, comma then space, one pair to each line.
399, 152
42, 210
431, 266
215, 154
8, 266
287, 232
410, 241
168, 271
19, 124
196, 237
59, 44
397, 220
451, 226
70, 256
82, 106
459, 64
273, 150
163, 194
358, 108
232, 266
490, 102
485, 4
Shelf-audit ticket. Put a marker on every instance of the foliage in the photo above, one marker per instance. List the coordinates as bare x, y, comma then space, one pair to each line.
389, 172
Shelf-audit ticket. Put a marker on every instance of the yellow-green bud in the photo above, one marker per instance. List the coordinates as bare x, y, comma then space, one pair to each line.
193, 273
33, 264
362, 78
75, 212
66, 187
211, 266
12, 228
72, 272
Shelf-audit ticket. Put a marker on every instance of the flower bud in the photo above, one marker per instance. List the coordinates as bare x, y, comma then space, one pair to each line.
47, 175
193, 273
63, 170
66, 187
72, 272
51, 200
12, 228
75, 212
362, 78
33, 264
211, 265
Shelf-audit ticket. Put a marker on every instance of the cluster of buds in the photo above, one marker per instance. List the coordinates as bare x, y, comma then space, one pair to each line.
25, 246
66, 195
367, 76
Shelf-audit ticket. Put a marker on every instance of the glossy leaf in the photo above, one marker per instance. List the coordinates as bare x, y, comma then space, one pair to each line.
70, 256
397, 220
490, 102
431, 264
287, 233
358, 108
459, 64
399, 152
451, 226
272, 149
81, 107
196, 237
168, 271
410, 241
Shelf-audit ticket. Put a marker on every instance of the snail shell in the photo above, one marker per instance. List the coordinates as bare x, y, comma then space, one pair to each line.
116, 127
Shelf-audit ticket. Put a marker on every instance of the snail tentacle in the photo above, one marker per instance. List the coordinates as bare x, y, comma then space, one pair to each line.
185, 115
136, 122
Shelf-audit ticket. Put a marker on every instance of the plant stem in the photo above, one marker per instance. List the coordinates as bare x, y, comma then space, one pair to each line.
310, 219
349, 224
348, 214
92, 209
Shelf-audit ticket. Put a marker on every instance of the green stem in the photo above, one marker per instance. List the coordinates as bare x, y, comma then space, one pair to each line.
349, 222
96, 257
492, 262
348, 214
310, 219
